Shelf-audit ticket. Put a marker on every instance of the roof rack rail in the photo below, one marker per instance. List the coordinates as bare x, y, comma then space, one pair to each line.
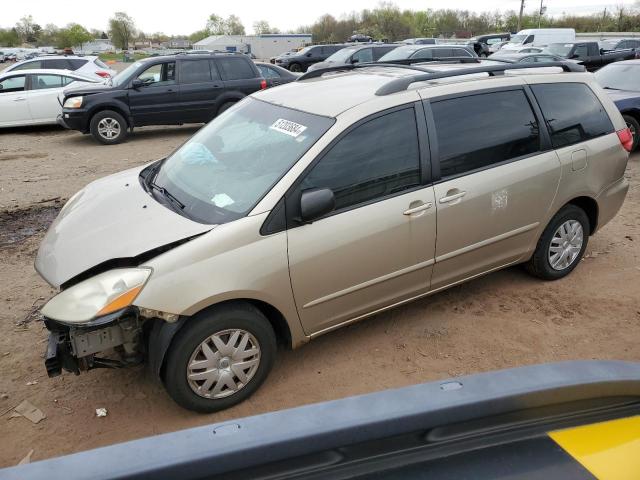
411, 61
341, 68
400, 84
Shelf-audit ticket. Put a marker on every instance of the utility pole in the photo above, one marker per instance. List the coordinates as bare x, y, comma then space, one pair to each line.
540, 13
520, 16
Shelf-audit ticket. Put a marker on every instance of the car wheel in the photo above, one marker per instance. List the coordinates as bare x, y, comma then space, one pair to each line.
634, 126
108, 127
220, 358
225, 106
295, 67
561, 245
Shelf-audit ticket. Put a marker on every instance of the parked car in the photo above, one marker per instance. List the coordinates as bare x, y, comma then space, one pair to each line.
419, 41
360, 38
169, 90
493, 48
539, 37
30, 97
285, 54
621, 81
529, 58
516, 51
3, 57
590, 55
482, 44
11, 57
275, 75
355, 54
407, 53
300, 61
313, 205
87, 66
620, 43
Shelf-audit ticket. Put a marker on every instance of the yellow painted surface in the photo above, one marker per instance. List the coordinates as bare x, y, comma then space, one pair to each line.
609, 450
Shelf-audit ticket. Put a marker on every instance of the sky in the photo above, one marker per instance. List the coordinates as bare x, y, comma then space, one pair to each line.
174, 18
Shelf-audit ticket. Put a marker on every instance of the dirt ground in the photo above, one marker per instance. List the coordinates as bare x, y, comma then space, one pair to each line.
505, 319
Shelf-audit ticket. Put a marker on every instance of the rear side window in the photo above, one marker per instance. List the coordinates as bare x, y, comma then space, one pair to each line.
268, 72
376, 159
235, 68
100, 63
194, 71
481, 130
426, 53
55, 63
76, 63
573, 113
44, 81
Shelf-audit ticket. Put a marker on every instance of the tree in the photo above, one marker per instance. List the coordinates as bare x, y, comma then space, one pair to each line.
9, 37
27, 29
262, 26
216, 25
122, 28
50, 35
74, 35
234, 26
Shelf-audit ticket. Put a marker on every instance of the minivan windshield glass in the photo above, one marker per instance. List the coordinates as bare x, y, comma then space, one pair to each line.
560, 49
222, 172
518, 38
125, 75
399, 53
341, 56
620, 77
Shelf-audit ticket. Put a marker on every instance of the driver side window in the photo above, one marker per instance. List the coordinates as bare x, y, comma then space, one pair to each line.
12, 84
159, 74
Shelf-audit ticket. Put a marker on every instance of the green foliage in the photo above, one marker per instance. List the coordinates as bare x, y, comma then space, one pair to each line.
262, 26
216, 25
9, 37
122, 30
73, 35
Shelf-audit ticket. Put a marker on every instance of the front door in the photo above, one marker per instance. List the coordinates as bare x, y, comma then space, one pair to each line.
376, 248
14, 109
156, 101
496, 183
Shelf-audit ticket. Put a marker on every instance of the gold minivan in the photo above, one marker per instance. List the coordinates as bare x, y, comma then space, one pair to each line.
309, 206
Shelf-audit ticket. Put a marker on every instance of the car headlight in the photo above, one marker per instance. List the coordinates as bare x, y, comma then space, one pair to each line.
73, 102
105, 293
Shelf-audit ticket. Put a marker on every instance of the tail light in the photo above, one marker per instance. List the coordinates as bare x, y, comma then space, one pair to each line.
626, 138
102, 74
263, 84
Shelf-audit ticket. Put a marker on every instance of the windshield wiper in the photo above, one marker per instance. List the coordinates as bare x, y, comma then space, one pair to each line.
167, 195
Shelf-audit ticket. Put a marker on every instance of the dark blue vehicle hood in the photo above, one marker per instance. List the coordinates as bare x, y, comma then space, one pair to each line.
624, 98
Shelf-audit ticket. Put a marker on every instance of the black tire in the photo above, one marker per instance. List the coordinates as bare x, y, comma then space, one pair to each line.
539, 265
118, 123
225, 106
634, 126
295, 67
202, 326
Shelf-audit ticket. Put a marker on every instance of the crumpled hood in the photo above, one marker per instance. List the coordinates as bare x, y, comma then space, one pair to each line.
110, 218
86, 89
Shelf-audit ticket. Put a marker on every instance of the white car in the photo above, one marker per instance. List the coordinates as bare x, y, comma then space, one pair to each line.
30, 97
89, 66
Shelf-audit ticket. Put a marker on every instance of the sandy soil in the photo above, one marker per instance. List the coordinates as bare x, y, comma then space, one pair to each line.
502, 320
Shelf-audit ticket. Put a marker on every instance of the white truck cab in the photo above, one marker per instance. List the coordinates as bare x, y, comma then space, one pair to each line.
534, 37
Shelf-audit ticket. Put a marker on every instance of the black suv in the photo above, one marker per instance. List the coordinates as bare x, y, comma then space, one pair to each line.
300, 61
169, 90
482, 44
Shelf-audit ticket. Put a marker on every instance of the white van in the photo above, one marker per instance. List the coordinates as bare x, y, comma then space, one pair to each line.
535, 37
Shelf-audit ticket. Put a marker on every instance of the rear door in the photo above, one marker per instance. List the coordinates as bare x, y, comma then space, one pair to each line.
200, 87
497, 180
157, 101
14, 109
239, 74
42, 97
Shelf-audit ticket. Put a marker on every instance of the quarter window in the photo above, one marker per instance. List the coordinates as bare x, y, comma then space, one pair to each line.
194, 71
376, 159
268, 72
235, 68
478, 131
573, 113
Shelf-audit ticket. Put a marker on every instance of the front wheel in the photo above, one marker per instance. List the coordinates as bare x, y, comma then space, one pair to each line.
108, 127
295, 67
220, 358
561, 245
634, 126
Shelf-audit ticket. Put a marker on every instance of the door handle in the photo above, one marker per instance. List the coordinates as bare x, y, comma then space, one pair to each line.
419, 208
19, 99
452, 197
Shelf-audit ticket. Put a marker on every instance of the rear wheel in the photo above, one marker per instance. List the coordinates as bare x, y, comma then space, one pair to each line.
108, 127
634, 126
561, 245
220, 358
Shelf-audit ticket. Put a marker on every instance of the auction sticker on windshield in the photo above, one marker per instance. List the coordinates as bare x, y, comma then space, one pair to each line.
288, 127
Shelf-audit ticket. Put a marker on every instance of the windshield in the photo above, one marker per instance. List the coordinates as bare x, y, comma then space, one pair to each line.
341, 56
125, 75
518, 38
227, 167
561, 49
619, 77
399, 53
303, 51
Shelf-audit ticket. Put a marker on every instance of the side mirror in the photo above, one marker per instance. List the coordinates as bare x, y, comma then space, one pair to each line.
308, 54
355, 60
316, 202
574, 56
137, 83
